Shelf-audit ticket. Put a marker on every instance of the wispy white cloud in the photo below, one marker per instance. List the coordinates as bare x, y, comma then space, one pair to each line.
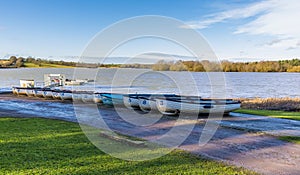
240, 13
276, 41
280, 20
275, 18
286, 43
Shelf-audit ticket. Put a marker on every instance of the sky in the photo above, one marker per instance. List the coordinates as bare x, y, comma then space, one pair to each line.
236, 30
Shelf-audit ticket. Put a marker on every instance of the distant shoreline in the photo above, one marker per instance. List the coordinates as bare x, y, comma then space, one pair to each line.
74, 67
191, 66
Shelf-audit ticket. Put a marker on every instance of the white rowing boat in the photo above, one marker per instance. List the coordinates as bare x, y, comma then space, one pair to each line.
97, 98
47, 93
148, 103
14, 90
88, 97
56, 94
20, 90
66, 95
39, 92
30, 92
112, 99
83, 96
131, 101
171, 106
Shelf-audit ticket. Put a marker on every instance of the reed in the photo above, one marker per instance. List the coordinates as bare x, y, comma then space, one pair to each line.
281, 104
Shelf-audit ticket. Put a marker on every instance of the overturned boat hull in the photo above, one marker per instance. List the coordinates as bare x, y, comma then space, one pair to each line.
83, 96
148, 103
97, 98
201, 106
14, 90
131, 101
39, 92
112, 99
56, 94
47, 94
26, 91
21, 91
66, 95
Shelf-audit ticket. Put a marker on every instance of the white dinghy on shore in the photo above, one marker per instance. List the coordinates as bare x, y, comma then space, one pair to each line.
19, 91
30, 92
97, 98
47, 93
38, 92
66, 95
131, 101
148, 103
83, 96
174, 106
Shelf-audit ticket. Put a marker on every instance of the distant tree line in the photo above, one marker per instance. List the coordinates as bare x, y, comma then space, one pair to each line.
263, 66
12, 62
227, 66
136, 66
39, 62
162, 65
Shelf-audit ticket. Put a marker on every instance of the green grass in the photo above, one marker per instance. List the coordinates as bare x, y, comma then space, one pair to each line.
43, 65
43, 146
293, 139
271, 113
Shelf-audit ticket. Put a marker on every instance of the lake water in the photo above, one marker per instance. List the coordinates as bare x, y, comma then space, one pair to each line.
232, 85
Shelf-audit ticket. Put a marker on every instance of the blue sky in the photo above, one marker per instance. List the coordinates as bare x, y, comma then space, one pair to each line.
235, 29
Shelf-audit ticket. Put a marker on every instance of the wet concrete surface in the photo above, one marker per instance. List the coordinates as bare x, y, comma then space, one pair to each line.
231, 143
11, 105
268, 125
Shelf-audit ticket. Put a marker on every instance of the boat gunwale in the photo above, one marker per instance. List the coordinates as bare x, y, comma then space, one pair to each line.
199, 101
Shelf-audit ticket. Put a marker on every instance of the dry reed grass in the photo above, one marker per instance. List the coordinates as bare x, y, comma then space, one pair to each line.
283, 104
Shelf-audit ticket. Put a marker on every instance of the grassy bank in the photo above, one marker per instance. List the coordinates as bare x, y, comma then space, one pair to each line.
293, 139
271, 113
44, 65
41, 146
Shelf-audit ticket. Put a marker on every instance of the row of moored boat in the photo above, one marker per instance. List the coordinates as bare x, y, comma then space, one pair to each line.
169, 104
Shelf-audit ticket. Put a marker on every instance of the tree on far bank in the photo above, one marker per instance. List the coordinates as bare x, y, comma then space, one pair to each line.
20, 62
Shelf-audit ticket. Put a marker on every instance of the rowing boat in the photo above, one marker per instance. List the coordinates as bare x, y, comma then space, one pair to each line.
97, 98
65, 95
112, 99
47, 93
39, 92
148, 103
83, 96
131, 101
174, 106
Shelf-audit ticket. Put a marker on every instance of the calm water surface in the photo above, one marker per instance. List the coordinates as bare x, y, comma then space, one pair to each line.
146, 81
